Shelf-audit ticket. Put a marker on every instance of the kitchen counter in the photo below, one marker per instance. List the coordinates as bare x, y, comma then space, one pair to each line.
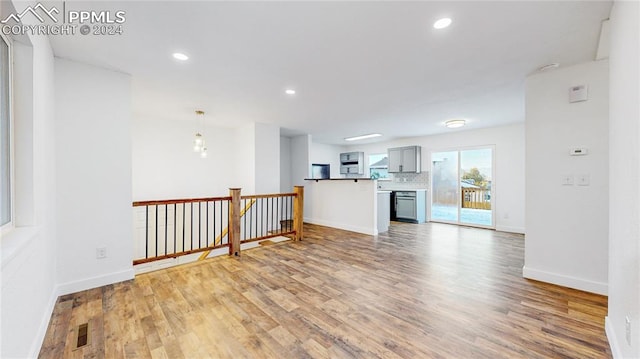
356, 179
344, 203
403, 189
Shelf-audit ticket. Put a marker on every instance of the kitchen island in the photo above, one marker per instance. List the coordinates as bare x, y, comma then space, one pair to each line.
346, 203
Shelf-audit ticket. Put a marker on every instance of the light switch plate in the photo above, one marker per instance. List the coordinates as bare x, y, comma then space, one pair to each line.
583, 180
567, 180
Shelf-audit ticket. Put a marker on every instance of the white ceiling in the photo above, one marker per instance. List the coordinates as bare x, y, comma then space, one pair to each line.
357, 67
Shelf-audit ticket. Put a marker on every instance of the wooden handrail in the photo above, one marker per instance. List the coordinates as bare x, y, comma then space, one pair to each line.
208, 199
273, 195
176, 201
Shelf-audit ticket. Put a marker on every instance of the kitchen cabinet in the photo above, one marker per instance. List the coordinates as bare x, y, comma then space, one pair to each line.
404, 159
352, 163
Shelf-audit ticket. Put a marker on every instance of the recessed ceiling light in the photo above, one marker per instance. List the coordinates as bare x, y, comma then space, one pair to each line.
550, 66
442, 23
290, 92
356, 138
455, 123
180, 56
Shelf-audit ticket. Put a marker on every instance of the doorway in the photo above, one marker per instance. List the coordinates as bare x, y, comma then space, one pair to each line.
461, 187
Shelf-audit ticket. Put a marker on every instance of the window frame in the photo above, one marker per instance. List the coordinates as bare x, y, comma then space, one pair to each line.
7, 227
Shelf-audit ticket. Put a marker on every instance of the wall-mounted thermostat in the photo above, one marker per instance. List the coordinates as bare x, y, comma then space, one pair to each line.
578, 151
578, 93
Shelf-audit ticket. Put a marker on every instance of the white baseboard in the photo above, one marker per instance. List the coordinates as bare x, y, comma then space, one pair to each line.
613, 339
38, 339
519, 230
345, 226
566, 281
94, 282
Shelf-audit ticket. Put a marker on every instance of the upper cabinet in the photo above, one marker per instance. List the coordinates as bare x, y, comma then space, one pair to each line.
352, 163
404, 159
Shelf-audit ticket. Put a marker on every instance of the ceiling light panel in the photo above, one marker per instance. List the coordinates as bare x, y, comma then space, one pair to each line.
180, 56
455, 123
362, 137
442, 23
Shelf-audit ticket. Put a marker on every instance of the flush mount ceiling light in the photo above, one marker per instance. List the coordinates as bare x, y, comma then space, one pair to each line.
455, 123
290, 91
442, 23
550, 66
356, 138
180, 56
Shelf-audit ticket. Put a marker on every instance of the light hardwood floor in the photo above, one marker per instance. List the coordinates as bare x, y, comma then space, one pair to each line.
418, 291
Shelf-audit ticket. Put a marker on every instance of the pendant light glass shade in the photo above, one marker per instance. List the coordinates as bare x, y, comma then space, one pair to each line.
198, 141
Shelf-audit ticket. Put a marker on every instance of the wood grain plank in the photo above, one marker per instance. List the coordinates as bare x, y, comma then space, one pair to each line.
418, 291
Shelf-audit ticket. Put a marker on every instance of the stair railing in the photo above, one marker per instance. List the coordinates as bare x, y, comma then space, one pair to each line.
172, 228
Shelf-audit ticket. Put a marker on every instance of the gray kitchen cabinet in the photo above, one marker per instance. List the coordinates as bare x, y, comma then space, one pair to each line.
404, 159
352, 163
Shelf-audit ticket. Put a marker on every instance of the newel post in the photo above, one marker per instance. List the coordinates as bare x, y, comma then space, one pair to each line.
234, 222
298, 209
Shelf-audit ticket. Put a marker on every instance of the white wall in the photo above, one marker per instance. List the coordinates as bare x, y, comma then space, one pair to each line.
567, 226
164, 165
244, 157
624, 176
508, 184
256, 158
267, 158
300, 159
301, 164
93, 175
28, 285
285, 165
327, 154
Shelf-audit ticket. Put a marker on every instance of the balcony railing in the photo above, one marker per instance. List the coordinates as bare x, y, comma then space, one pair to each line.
476, 198
173, 228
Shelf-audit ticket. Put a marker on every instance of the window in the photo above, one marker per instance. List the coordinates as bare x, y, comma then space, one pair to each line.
378, 166
5, 135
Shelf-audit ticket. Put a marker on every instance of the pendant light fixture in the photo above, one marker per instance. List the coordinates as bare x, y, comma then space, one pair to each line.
199, 144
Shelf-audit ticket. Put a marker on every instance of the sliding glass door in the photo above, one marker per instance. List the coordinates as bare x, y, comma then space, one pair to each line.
461, 185
444, 186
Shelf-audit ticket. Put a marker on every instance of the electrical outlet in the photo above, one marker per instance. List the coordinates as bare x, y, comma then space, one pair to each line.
101, 252
627, 329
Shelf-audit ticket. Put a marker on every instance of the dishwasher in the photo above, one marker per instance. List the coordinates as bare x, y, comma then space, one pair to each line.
405, 206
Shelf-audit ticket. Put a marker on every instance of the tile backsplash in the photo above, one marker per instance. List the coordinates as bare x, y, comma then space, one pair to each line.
406, 180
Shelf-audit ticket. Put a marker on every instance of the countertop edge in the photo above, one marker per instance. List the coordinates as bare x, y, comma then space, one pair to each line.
339, 179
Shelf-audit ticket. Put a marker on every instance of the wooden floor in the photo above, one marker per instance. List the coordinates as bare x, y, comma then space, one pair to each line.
418, 291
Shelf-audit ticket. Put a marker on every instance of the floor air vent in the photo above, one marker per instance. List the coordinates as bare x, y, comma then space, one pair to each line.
82, 335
